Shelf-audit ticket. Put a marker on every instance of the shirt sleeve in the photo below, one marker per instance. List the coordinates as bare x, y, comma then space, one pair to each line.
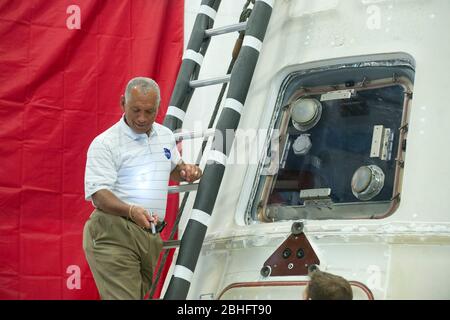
176, 157
101, 172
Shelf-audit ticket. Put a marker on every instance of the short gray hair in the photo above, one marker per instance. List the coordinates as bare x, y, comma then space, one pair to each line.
144, 85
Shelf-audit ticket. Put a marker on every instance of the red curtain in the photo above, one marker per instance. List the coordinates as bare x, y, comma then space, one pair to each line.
63, 66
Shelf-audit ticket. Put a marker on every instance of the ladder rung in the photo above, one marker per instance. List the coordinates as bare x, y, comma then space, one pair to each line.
226, 29
209, 82
169, 244
194, 134
183, 188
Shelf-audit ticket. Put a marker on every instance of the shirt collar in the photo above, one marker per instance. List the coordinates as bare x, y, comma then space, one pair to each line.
130, 132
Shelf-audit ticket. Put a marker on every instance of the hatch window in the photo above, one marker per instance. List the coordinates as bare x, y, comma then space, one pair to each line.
341, 147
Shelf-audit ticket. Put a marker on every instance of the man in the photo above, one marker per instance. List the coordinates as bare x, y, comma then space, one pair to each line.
327, 286
127, 175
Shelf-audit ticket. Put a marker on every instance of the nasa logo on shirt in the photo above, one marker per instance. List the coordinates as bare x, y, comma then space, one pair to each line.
167, 153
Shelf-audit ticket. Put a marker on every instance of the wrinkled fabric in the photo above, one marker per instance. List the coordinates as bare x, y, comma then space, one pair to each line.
63, 67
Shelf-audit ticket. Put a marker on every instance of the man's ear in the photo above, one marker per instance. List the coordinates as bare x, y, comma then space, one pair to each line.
122, 102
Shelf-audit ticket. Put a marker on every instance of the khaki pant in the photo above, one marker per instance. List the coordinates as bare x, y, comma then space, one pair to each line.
122, 256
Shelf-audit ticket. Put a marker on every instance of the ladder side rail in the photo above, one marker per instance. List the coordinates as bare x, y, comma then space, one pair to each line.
241, 75
190, 66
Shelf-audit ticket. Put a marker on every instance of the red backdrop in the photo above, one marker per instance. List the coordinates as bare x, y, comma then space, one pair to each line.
63, 66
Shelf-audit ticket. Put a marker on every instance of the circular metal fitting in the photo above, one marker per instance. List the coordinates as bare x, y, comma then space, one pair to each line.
302, 145
312, 268
306, 113
286, 253
367, 182
300, 253
297, 227
266, 271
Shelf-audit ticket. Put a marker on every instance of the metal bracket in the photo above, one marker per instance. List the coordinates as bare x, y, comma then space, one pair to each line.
364, 82
318, 198
293, 257
400, 163
394, 78
409, 94
396, 197
404, 128
337, 95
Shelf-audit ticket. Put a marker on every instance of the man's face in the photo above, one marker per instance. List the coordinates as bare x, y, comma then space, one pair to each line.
140, 110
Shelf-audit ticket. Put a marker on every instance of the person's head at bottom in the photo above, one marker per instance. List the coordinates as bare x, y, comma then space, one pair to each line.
327, 286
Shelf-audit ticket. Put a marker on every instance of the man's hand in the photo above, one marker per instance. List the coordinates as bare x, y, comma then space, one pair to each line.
186, 172
142, 217
190, 172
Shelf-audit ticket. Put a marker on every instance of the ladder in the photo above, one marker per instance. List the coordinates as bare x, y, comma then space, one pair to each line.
239, 80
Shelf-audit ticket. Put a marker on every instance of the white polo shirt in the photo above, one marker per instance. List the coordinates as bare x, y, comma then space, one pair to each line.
135, 167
